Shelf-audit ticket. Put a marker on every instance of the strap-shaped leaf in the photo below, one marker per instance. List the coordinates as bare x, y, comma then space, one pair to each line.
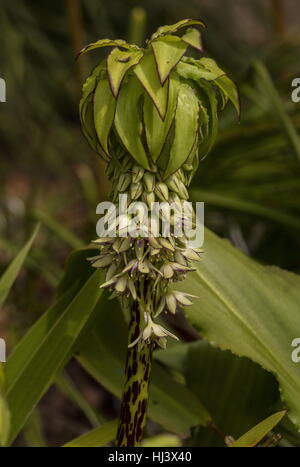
259, 431
118, 63
9, 276
156, 129
169, 29
46, 348
147, 74
229, 88
104, 111
127, 120
167, 53
107, 43
193, 69
186, 128
193, 38
98, 437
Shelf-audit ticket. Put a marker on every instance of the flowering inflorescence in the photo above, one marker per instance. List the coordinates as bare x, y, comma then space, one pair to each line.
152, 114
144, 268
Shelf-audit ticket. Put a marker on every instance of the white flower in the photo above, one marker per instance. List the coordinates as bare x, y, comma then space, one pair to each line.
153, 331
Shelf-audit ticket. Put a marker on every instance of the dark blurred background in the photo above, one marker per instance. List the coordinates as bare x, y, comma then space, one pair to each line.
250, 182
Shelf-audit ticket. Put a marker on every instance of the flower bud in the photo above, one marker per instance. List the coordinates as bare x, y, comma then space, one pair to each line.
171, 302
173, 183
161, 190
139, 248
167, 271
138, 173
149, 181
136, 189
121, 284
124, 182
149, 199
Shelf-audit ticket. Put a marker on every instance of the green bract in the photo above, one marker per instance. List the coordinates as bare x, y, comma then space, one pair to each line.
156, 104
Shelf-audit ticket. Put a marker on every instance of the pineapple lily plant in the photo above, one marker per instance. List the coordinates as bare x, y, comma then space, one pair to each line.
152, 114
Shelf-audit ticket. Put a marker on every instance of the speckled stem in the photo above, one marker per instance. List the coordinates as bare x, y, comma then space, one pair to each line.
136, 388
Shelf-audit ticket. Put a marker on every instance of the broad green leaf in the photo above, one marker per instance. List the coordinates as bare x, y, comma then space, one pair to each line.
58, 229
250, 309
9, 276
107, 43
118, 63
130, 129
156, 129
167, 53
193, 38
186, 128
104, 112
258, 432
47, 346
169, 29
102, 353
98, 437
248, 391
147, 74
192, 69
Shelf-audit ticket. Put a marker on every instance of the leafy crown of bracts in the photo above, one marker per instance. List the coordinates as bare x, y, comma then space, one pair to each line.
159, 105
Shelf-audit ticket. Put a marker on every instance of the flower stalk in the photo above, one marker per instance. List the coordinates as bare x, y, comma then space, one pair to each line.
136, 388
152, 114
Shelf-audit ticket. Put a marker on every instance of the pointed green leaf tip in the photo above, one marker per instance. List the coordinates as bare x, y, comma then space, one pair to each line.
118, 63
156, 129
170, 29
167, 52
147, 74
107, 43
193, 38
